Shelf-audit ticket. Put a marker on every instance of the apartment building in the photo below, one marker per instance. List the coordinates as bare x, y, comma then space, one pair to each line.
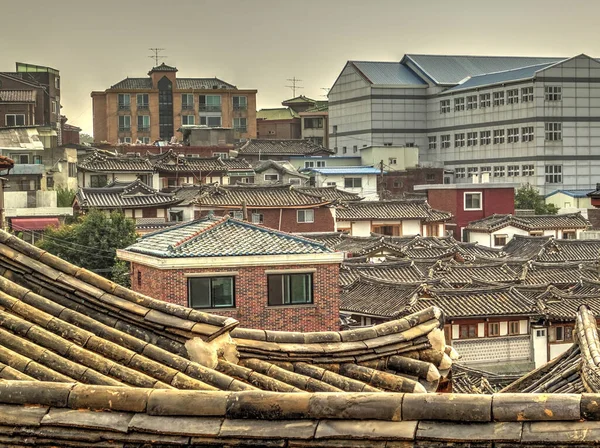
521, 119
154, 108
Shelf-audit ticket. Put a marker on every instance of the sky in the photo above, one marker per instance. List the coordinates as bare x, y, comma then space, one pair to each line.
260, 44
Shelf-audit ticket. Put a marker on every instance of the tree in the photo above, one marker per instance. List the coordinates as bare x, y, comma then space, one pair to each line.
529, 198
92, 242
85, 138
64, 197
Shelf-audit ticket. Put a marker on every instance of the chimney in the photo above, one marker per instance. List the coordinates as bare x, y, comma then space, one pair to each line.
485, 177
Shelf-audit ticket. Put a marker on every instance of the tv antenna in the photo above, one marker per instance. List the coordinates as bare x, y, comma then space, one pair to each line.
156, 56
294, 85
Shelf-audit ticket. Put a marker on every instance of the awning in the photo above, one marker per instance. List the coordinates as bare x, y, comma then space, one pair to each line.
33, 223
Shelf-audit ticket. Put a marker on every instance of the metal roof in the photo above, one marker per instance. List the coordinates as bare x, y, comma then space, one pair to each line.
388, 73
572, 193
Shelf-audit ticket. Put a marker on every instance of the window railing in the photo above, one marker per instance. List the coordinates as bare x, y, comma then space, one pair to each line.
207, 108
143, 106
124, 106
143, 128
241, 129
240, 107
124, 128
187, 106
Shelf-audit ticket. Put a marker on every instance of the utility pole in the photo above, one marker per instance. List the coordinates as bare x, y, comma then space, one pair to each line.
2, 214
155, 56
294, 85
381, 181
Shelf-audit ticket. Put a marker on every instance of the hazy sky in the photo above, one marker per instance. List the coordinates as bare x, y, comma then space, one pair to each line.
258, 44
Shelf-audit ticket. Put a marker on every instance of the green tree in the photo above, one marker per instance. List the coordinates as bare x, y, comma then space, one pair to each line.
85, 138
92, 241
529, 198
64, 197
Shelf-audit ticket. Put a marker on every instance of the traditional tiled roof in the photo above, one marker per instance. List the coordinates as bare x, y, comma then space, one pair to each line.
536, 222
526, 246
402, 271
263, 196
570, 250
329, 239
98, 162
119, 195
17, 96
163, 68
187, 194
331, 193
268, 147
561, 274
223, 237
170, 162
461, 274
468, 380
400, 209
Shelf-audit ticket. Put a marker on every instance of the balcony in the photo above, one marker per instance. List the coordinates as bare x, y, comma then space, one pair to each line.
207, 108
124, 106
124, 128
240, 107
143, 106
187, 107
143, 128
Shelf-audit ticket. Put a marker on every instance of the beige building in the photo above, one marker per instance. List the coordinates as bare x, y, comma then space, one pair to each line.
154, 108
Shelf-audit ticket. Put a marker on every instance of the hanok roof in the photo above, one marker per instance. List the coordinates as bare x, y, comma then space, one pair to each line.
388, 73
522, 246
17, 96
282, 166
267, 147
570, 250
223, 237
331, 193
376, 297
258, 196
121, 195
98, 162
537, 222
171, 162
187, 194
399, 209
401, 271
280, 113
329, 239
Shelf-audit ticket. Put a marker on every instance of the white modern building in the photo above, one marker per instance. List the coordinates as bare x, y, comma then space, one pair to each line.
521, 119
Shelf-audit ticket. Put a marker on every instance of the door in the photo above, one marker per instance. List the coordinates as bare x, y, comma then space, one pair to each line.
540, 346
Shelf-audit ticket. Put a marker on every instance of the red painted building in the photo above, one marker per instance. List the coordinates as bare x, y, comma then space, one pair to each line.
470, 202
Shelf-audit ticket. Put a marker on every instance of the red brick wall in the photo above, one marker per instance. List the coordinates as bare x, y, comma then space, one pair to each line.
251, 296
396, 183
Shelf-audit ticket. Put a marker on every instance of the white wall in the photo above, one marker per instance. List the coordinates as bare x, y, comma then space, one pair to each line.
369, 184
557, 349
360, 228
487, 239
411, 227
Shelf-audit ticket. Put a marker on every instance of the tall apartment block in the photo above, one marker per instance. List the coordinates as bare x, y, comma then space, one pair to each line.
522, 119
154, 108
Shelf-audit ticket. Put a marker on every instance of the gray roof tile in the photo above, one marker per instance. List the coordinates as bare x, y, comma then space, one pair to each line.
399, 209
120, 195
267, 147
388, 73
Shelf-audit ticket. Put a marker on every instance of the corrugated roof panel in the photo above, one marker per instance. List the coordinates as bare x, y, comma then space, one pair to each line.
500, 77
388, 73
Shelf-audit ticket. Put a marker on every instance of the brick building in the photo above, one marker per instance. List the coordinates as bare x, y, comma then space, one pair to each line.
262, 277
154, 108
394, 184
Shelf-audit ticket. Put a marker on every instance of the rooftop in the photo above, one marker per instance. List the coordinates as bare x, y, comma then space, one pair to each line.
397, 209
388, 73
122, 195
535, 222
268, 147
339, 170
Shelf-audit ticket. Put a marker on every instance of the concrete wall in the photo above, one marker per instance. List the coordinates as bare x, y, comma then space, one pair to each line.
563, 201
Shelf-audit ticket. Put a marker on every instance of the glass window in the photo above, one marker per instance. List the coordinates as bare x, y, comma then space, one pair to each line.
485, 137
143, 122
432, 142
257, 218
124, 100
353, 182
444, 106
513, 135
306, 216
14, 119
468, 331
500, 240
493, 328
513, 327
289, 289
527, 94
472, 171
553, 174
472, 201
459, 140
472, 102
485, 100
142, 101
98, 180
124, 122
445, 141
471, 138
498, 136
210, 103
211, 292
188, 119
553, 93
72, 166
313, 123
498, 98
459, 104
240, 103
459, 173
213, 122
512, 96
527, 134
187, 101
240, 124
499, 171
272, 177
513, 170
553, 131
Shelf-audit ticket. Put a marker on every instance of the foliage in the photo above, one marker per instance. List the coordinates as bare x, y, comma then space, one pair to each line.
120, 273
85, 138
64, 197
529, 198
91, 242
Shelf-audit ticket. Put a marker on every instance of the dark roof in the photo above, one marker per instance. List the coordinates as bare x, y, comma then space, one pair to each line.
119, 195
569, 250
267, 147
462, 274
535, 222
376, 297
17, 96
187, 194
100, 162
402, 271
182, 83
329, 239
525, 246
163, 68
170, 162
263, 196
222, 237
331, 193
399, 209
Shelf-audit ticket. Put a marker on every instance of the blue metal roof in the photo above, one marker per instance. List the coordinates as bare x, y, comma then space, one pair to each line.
345, 170
572, 193
388, 73
500, 77
447, 70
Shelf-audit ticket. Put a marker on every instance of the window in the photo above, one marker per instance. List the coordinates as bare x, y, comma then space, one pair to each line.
143, 122
513, 135
289, 289
493, 328
540, 333
499, 171
459, 104
209, 103
14, 119
146, 140
459, 140
527, 170
57, 82
397, 183
393, 161
407, 144
37, 160
21, 159
513, 327
72, 167
553, 174
355, 149
257, 218
432, 142
98, 180
444, 106
527, 134
472, 102
467, 331
240, 124
553, 131
500, 240
429, 177
211, 292
124, 100
569, 235
188, 119
240, 103
344, 150
513, 170
221, 155
142, 101
353, 182
512, 96
486, 169
498, 136
313, 123
271, 177
331, 184
498, 99
459, 173
445, 141
485, 137
553, 93
126, 139
187, 101
472, 201
124, 122
211, 122
484, 100
305, 216
560, 333
527, 94
472, 171
54, 108
176, 216
471, 138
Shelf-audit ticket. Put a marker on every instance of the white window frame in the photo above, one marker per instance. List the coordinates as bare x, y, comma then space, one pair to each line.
527, 134
472, 171
308, 215
54, 110
186, 104
189, 120
460, 173
512, 96
513, 171
553, 93
146, 140
527, 170
498, 136
320, 164
444, 106
485, 100
472, 139
472, 102
271, 180
459, 104
526, 94
553, 132
499, 98
485, 137
478, 193
553, 174
432, 142
445, 141
126, 126
499, 171
237, 214
331, 184
512, 135
459, 140
14, 118
257, 218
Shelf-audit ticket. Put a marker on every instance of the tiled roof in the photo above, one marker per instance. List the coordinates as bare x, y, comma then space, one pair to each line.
388, 73
163, 68
133, 84
401, 209
17, 96
501, 77
280, 113
375, 297
182, 83
526, 246
554, 273
461, 274
267, 147
101, 162
329, 239
339, 170
223, 237
280, 196
171, 162
331, 193
282, 166
402, 271
118, 195
536, 222
187, 194
570, 250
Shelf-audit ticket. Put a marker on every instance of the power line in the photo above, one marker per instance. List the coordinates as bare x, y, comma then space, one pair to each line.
294, 87
155, 56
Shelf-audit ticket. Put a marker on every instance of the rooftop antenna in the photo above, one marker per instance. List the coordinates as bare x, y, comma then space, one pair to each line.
294, 81
155, 56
